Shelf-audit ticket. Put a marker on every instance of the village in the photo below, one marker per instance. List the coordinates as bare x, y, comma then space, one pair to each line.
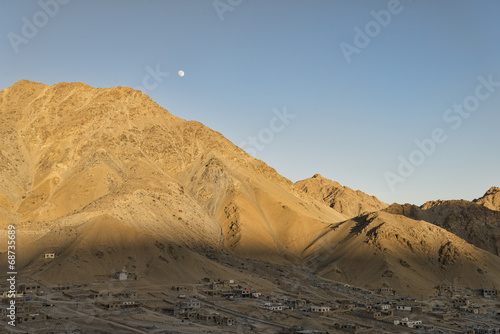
124, 304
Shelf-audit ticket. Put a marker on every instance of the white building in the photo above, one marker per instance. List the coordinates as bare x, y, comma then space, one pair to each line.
122, 275
273, 306
408, 323
403, 308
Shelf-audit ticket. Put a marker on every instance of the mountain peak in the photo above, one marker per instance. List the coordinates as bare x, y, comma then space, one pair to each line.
490, 199
492, 191
350, 203
26, 85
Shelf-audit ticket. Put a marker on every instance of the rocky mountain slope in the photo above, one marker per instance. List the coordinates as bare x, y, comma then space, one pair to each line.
491, 199
350, 203
106, 178
474, 223
383, 249
72, 155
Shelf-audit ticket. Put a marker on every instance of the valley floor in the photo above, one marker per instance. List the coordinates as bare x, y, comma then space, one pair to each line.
274, 299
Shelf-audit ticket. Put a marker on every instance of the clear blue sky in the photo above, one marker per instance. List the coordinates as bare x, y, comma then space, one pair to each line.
353, 120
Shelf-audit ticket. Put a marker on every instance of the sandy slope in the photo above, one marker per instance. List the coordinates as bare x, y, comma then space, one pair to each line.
106, 178
73, 153
382, 249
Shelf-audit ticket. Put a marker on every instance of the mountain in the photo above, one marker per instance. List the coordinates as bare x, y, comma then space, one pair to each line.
107, 179
73, 156
410, 256
474, 223
491, 199
350, 203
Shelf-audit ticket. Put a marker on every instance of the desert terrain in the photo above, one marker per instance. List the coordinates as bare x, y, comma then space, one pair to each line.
128, 218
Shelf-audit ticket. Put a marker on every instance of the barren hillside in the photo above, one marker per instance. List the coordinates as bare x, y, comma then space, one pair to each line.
382, 249
72, 155
350, 203
106, 178
474, 223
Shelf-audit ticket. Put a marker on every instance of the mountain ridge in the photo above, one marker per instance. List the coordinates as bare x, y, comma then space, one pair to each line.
343, 199
80, 164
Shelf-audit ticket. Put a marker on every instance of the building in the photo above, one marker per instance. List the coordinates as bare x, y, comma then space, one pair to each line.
489, 292
29, 288
383, 307
407, 322
273, 306
403, 308
346, 305
228, 294
424, 327
487, 330
372, 314
421, 308
30, 317
189, 315
226, 284
226, 321
242, 292
296, 304
214, 318
95, 294
347, 327
213, 293
129, 304
319, 308
441, 308
111, 305
127, 294
117, 305
467, 309
461, 302
208, 318
189, 304
122, 275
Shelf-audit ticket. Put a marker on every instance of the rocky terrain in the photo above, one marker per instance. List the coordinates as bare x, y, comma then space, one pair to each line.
472, 222
107, 179
350, 203
491, 199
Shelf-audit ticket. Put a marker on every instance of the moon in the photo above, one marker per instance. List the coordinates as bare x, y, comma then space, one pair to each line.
181, 73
